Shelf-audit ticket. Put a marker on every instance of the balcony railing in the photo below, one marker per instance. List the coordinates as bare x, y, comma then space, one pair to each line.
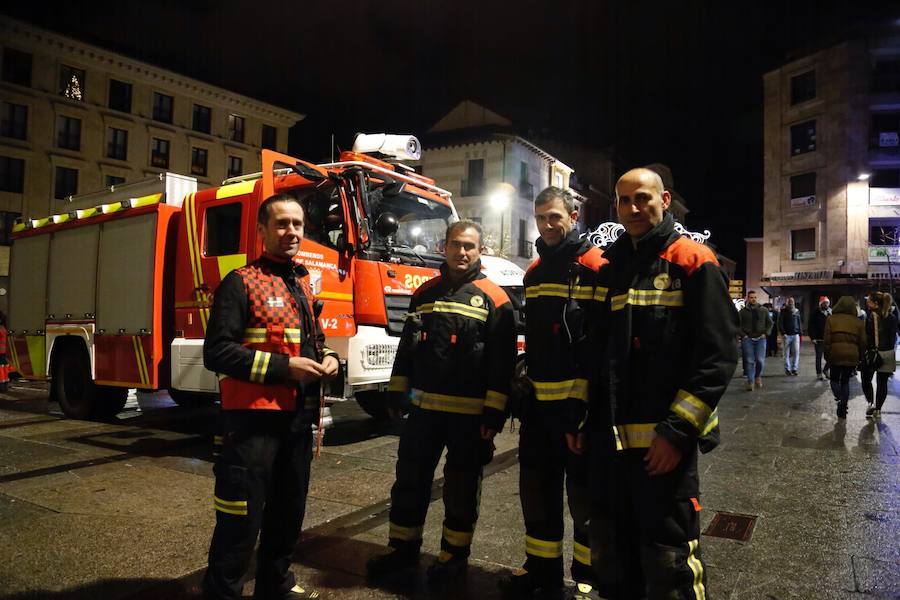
473, 187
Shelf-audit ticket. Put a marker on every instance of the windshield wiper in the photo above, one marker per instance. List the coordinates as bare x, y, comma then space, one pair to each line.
412, 250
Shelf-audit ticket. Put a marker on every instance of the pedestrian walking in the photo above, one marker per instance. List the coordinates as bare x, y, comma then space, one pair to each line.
817, 334
452, 372
790, 328
845, 345
665, 354
560, 289
755, 324
881, 337
264, 341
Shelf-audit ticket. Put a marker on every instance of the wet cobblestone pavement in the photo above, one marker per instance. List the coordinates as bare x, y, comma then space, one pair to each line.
123, 509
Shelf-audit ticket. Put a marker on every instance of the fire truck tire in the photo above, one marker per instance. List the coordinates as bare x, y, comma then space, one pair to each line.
374, 403
190, 399
74, 388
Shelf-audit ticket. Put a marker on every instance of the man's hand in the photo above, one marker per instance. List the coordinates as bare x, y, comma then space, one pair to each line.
330, 366
304, 370
575, 442
662, 456
487, 434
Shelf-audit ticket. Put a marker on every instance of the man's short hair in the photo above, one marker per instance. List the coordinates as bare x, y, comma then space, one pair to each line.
462, 226
751, 292
262, 215
551, 193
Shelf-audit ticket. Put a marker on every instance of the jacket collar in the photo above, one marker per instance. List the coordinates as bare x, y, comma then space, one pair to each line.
651, 242
453, 280
571, 245
283, 266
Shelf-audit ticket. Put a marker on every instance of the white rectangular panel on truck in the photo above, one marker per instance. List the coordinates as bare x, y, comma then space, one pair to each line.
28, 284
72, 277
125, 284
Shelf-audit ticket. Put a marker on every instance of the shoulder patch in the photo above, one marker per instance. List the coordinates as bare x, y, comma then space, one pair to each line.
592, 259
688, 254
494, 292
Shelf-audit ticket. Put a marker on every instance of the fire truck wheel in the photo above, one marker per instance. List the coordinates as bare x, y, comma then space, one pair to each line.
73, 386
374, 403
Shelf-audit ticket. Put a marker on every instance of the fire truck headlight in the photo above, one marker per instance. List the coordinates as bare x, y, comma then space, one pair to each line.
401, 147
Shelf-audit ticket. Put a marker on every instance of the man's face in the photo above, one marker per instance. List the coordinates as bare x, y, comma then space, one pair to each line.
790, 303
553, 221
283, 232
639, 202
751, 298
463, 248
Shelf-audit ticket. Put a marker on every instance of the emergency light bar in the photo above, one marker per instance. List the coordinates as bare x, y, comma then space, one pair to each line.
401, 147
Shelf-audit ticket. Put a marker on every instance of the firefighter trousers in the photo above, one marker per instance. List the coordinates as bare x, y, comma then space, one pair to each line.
645, 530
425, 435
262, 477
546, 466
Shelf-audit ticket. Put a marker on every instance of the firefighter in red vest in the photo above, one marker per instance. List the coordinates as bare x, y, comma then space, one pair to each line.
265, 343
560, 293
453, 367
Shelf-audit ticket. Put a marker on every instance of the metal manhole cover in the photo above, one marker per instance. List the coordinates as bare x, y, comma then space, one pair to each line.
731, 526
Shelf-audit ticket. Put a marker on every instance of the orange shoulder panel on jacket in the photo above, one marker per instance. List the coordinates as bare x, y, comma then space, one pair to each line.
688, 254
494, 291
593, 259
426, 285
533, 265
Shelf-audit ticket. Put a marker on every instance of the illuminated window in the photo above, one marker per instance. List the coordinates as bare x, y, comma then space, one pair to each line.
71, 82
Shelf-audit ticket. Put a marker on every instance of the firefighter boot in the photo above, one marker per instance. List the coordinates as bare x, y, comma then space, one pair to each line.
522, 584
446, 567
393, 562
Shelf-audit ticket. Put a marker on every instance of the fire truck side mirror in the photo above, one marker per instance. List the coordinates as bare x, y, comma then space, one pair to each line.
386, 224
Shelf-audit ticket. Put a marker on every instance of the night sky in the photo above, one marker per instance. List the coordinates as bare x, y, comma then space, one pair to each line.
676, 82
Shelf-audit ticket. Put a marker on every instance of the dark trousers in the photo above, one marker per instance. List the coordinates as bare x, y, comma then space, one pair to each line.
840, 387
881, 382
645, 529
820, 355
425, 435
262, 477
545, 466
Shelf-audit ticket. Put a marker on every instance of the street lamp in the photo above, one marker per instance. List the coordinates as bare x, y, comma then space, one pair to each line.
499, 201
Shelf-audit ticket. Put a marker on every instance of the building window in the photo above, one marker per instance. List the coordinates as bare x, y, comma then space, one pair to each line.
68, 133
202, 118
235, 166
222, 230
198, 161
526, 248
885, 178
269, 137
159, 153
117, 143
803, 244
886, 76
14, 121
474, 183
7, 220
885, 131
558, 180
16, 67
71, 82
526, 189
120, 95
66, 183
162, 107
236, 128
884, 234
803, 190
803, 87
12, 174
112, 180
803, 137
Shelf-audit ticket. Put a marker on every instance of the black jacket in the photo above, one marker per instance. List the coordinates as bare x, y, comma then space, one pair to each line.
457, 352
887, 331
789, 321
670, 326
560, 296
817, 323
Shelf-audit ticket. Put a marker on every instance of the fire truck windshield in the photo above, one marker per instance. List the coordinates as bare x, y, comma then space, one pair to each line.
422, 223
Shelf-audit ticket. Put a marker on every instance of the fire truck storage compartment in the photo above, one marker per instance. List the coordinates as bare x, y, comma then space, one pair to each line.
72, 276
28, 300
125, 287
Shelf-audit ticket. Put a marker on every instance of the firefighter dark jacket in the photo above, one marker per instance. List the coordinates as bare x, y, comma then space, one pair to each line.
670, 334
262, 315
560, 297
457, 352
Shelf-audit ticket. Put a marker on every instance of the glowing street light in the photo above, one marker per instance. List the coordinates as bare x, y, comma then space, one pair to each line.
864, 176
499, 201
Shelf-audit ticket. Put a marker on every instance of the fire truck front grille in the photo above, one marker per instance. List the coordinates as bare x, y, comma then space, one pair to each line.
397, 307
379, 356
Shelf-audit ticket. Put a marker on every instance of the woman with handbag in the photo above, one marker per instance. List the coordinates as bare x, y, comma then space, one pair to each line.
845, 346
881, 332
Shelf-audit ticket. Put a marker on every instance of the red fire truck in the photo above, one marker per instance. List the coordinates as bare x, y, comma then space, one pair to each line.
117, 295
